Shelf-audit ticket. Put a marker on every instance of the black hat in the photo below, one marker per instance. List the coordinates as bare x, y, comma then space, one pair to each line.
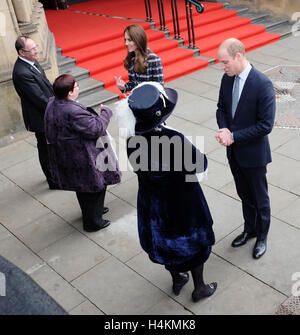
151, 105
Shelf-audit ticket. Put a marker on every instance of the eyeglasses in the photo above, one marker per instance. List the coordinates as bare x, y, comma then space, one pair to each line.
32, 49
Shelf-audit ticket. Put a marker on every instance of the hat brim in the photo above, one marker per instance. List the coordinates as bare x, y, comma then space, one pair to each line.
171, 103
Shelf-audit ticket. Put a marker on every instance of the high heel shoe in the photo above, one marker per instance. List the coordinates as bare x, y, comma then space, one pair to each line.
211, 288
178, 284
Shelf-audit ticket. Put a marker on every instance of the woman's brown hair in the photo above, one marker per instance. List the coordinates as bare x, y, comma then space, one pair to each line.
63, 85
137, 34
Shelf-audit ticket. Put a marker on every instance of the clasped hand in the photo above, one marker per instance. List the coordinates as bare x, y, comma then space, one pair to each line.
223, 137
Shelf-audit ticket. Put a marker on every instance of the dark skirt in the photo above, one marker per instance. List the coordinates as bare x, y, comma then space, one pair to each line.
174, 222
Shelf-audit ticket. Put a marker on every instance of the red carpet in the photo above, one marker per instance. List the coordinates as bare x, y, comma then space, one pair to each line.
97, 43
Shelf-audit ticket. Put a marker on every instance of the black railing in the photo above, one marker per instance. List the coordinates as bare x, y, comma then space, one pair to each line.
189, 17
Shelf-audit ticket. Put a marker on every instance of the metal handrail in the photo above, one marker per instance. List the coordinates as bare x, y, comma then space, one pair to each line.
189, 17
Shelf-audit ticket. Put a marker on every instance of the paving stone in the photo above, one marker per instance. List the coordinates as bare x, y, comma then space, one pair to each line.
57, 287
86, 308
209, 76
279, 136
190, 85
225, 211
279, 199
237, 292
219, 175
291, 214
5, 184
116, 289
212, 94
18, 254
4, 233
127, 191
284, 172
73, 255
291, 149
44, 231
18, 209
15, 153
35, 180
219, 155
197, 111
168, 307
273, 268
121, 238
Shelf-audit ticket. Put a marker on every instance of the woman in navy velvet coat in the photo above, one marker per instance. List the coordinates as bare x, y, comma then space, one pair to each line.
72, 131
174, 221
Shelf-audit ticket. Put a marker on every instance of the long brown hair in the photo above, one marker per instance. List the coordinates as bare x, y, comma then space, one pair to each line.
137, 34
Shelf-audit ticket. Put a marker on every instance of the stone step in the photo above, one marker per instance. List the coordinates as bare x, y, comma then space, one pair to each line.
95, 99
273, 22
284, 30
91, 91
239, 8
64, 63
89, 86
255, 16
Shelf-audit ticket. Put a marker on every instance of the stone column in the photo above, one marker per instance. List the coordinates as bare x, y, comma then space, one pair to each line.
23, 10
10, 112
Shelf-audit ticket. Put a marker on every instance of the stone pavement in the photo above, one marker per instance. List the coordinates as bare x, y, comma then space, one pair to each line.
107, 272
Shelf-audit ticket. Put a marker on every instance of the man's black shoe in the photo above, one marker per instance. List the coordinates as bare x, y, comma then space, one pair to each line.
89, 229
105, 210
259, 249
241, 239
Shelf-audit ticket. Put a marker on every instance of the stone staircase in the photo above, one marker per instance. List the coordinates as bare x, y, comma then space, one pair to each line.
91, 91
274, 25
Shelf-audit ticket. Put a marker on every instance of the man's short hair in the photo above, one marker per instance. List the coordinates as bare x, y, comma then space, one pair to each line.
233, 46
20, 42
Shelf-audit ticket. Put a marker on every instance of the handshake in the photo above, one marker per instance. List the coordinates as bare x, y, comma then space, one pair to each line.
224, 137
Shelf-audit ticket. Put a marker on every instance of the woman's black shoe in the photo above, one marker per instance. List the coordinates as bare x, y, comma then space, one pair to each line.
178, 284
210, 290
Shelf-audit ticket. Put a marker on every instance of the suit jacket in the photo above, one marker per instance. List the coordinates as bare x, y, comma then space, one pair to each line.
34, 89
253, 119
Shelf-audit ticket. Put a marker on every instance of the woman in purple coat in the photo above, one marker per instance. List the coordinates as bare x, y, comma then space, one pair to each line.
72, 131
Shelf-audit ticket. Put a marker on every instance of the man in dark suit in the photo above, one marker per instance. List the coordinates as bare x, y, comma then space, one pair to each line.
34, 89
245, 116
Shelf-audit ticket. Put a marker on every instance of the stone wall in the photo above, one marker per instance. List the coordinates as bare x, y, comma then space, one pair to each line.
21, 17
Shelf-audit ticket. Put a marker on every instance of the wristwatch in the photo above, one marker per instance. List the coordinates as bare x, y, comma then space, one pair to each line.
231, 136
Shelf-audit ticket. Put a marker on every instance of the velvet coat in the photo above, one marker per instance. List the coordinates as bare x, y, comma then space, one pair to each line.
174, 221
72, 131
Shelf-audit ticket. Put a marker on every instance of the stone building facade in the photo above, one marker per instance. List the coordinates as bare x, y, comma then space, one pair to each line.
21, 17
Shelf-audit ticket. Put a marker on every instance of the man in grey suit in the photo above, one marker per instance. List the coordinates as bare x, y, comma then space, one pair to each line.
34, 89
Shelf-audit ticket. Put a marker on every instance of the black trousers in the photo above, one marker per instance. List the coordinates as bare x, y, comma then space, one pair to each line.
91, 205
44, 157
252, 188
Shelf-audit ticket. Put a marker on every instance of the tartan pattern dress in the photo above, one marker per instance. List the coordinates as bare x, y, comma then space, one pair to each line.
154, 72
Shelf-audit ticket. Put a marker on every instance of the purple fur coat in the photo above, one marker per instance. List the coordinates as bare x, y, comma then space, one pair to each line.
72, 131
